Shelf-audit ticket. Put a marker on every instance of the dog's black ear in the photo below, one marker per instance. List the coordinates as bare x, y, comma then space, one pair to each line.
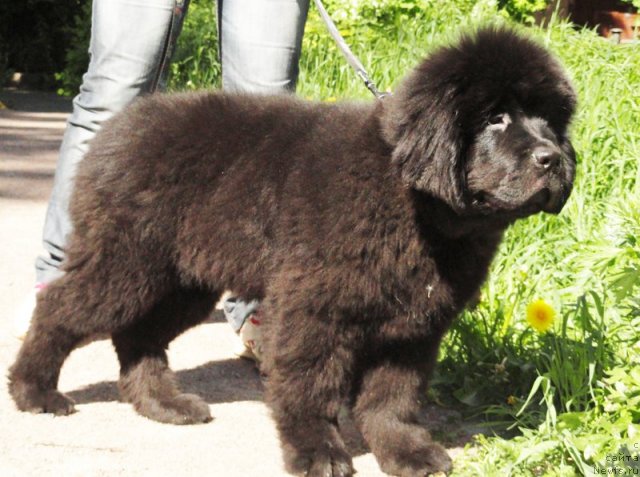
422, 124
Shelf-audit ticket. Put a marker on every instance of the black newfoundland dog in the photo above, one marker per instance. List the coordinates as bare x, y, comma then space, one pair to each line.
363, 228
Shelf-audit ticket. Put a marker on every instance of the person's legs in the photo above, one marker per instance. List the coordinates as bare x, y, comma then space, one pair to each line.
260, 42
129, 43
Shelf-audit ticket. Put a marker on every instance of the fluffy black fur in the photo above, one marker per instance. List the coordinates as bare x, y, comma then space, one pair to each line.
363, 228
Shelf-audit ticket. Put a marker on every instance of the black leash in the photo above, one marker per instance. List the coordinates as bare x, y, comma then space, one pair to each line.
348, 54
177, 19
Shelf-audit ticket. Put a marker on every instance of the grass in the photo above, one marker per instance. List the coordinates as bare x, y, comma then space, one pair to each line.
568, 399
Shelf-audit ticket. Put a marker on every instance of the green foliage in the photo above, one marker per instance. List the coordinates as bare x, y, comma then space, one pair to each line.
569, 443
33, 34
350, 13
522, 10
77, 55
195, 63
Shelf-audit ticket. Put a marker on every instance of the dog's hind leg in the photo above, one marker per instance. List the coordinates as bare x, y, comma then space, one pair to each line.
33, 378
145, 378
99, 296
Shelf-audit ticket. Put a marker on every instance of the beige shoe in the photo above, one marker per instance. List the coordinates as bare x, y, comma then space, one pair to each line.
250, 334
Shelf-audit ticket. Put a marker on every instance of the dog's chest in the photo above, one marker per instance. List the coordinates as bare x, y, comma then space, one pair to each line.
433, 284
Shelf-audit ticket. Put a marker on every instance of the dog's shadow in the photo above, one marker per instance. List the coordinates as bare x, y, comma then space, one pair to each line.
216, 382
237, 379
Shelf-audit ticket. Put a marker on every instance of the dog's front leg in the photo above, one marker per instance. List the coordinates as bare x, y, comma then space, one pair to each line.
306, 387
387, 406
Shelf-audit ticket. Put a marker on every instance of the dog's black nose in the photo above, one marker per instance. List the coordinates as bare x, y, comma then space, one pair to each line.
546, 156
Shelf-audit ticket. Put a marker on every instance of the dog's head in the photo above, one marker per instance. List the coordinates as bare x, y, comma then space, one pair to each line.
483, 126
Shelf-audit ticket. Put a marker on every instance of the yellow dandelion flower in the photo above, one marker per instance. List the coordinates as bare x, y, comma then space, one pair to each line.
540, 315
511, 400
331, 99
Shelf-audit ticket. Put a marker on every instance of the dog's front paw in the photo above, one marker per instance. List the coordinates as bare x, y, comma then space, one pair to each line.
423, 461
330, 461
330, 464
31, 398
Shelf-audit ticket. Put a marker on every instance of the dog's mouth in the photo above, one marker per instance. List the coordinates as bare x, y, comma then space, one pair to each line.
488, 203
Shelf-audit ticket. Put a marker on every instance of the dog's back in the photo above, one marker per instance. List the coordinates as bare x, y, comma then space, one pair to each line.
216, 170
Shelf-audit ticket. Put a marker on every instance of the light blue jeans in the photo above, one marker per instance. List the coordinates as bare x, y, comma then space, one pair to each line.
131, 43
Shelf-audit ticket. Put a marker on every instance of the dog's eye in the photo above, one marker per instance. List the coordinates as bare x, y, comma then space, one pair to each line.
499, 121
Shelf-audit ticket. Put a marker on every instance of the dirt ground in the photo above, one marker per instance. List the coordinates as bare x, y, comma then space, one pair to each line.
106, 437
